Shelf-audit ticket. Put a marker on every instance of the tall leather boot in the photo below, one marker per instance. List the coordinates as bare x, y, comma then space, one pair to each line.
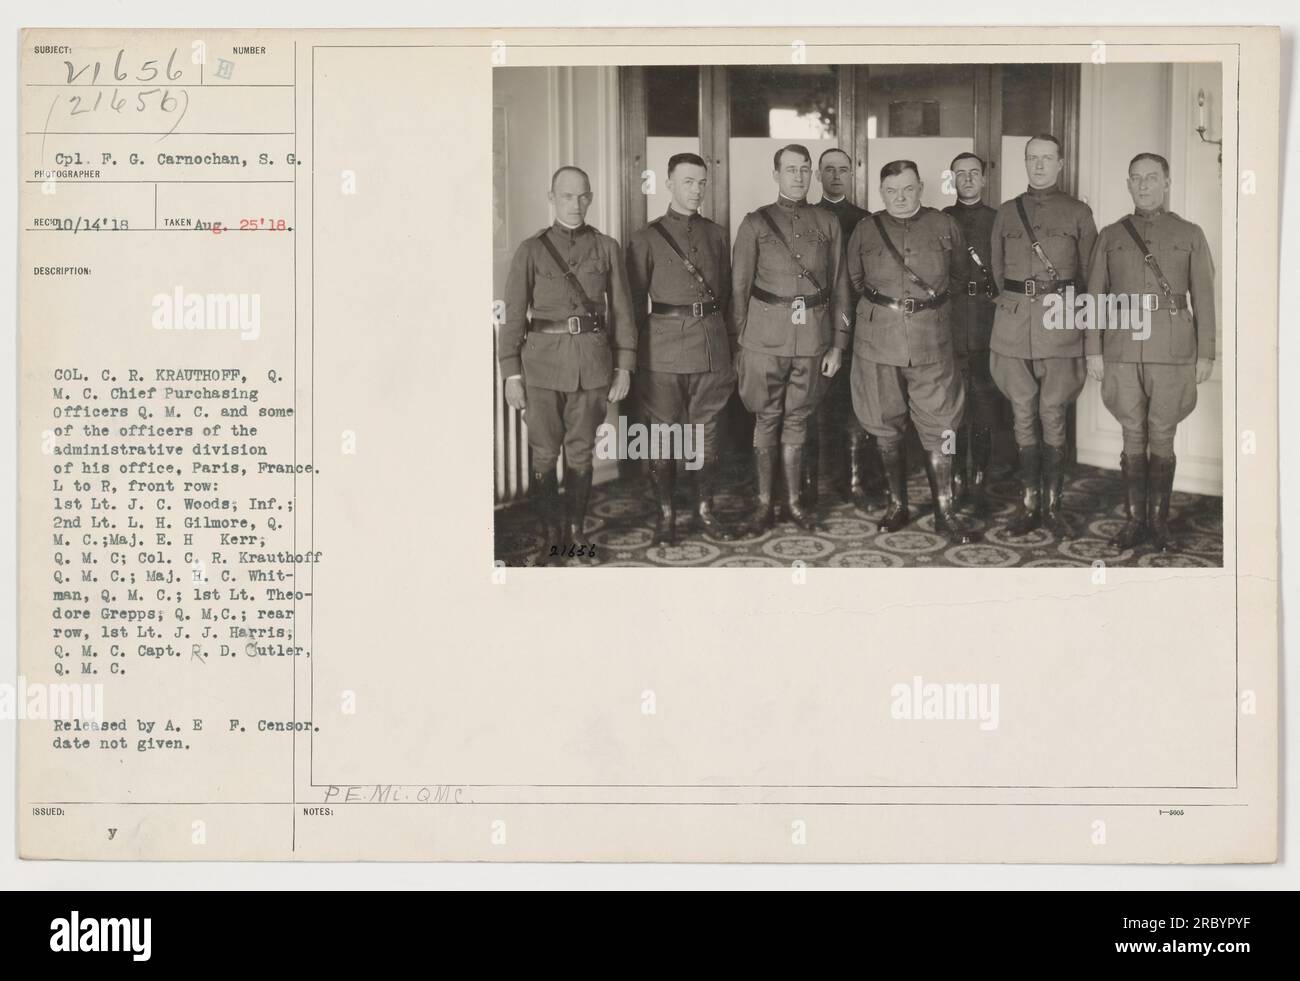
706, 479
1136, 529
762, 517
663, 478
960, 486
1160, 484
981, 453
792, 464
1053, 487
939, 468
809, 471
858, 495
1029, 514
546, 501
893, 460
577, 490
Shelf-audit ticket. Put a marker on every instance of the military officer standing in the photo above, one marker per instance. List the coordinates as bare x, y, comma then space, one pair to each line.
971, 331
1149, 367
566, 349
1041, 242
790, 301
904, 263
680, 277
835, 171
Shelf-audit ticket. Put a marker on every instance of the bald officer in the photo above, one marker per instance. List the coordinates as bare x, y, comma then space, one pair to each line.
680, 274
971, 332
904, 263
835, 171
790, 300
567, 349
1149, 361
1041, 242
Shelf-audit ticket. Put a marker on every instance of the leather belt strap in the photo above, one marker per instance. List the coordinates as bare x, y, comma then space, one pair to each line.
698, 309
586, 324
1035, 287
908, 304
809, 300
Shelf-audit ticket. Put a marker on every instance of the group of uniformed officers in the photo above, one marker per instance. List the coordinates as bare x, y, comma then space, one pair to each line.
944, 313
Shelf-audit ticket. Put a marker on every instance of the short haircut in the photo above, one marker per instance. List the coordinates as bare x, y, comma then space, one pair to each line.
577, 170
685, 158
896, 167
791, 148
969, 156
829, 151
1046, 138
1164, 164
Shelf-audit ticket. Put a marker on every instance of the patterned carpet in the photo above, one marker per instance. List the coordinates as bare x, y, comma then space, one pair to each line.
621, 516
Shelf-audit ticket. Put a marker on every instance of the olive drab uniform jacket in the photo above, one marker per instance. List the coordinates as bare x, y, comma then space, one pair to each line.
1066, 232
1179, 333
761, 262
935, 249
973, 329
676, 343
537, 288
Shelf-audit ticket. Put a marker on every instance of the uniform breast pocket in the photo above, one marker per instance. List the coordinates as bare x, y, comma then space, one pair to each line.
592, 273
1062, 249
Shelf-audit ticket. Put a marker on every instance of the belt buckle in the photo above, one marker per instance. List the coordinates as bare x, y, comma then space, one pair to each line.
970, 288
1150, 301
575, 325
1031, 288
909, 304
798, 301
697, 309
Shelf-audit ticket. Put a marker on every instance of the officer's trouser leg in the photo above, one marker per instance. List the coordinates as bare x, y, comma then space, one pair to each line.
545, 419
1015, 379
707, 394
880, 402
761, 381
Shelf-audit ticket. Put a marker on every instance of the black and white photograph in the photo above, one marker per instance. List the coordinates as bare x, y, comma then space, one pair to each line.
858, 315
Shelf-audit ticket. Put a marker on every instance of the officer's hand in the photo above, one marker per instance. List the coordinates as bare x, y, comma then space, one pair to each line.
831, 362
622, 382
1204, 368
1096, 367
515, 394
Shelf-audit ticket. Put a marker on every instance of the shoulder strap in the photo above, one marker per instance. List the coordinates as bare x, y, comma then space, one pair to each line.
985, 273
784, 241
690, 266
573, 281
898, 256
1148, 258
1033, 239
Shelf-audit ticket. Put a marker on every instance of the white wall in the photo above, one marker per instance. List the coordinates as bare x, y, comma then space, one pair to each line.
1125, 110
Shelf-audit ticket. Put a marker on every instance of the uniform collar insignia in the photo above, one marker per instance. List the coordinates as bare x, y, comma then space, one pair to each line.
1151, 213
788, 203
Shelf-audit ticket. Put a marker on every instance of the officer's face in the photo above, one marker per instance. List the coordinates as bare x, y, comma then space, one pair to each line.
1042, 163
793, 175
969, 178
571, 197
686, 185
835, 174
1147, 184
902, 193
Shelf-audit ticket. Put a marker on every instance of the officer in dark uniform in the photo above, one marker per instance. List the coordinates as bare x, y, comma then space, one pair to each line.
680, 276
1042, 240
566, 349
1149, 367
835, 171
971, 332
904, 263
790, 300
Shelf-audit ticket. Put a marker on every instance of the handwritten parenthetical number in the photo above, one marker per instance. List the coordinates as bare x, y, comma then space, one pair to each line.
574, 551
